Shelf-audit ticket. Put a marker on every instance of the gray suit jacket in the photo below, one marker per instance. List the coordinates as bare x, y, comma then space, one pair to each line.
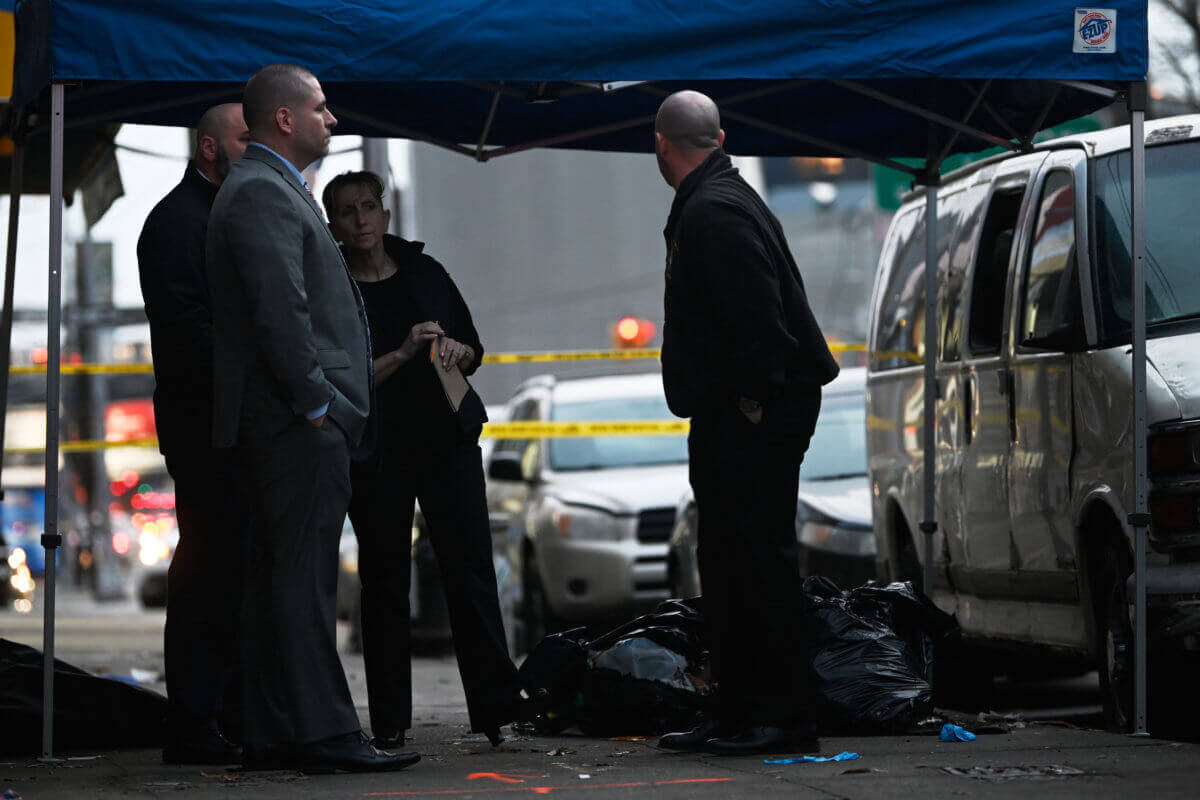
287, 334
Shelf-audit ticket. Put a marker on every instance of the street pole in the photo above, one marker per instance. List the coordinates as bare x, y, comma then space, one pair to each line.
51, 538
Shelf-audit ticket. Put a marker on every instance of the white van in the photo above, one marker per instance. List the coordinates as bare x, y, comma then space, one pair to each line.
1034, 458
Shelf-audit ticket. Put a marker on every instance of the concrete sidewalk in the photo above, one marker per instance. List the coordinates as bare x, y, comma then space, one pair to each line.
456, 763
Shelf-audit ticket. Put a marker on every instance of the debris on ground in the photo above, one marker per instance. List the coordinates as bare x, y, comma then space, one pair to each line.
1011, 721
560, 751
955, 733
843, 756
1040, 772
872, 654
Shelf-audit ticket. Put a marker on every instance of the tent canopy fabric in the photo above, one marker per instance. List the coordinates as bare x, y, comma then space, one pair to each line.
433, 70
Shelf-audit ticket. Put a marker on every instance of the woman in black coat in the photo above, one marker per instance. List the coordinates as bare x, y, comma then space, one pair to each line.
423, 450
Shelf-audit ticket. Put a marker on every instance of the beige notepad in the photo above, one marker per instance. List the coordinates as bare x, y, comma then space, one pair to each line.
454, 385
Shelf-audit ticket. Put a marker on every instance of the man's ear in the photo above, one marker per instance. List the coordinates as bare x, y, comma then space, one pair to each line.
207, 148
333, 233
721, 138
387, 219
283, 119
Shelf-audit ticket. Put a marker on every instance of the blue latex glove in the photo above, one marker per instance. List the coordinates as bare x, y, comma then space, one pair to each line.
956, 733
817, 759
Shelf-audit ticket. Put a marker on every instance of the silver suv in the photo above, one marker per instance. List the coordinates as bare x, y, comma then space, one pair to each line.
1034, 423
588, 518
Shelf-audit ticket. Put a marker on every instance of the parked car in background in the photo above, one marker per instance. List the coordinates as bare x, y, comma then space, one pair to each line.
1034, 427
587, 518
833, 506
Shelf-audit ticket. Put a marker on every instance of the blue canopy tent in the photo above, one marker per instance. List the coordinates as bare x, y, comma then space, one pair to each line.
877, 80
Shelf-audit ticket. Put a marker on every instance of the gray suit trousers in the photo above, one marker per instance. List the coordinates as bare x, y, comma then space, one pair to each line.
295, 690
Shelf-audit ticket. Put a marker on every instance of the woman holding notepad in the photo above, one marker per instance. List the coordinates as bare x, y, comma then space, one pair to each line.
426, 448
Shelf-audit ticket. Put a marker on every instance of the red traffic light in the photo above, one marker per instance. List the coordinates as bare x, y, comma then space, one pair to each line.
633, 332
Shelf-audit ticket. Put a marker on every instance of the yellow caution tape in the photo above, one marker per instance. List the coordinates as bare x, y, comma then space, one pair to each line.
575, 430
88, 369
86, 446
632, 354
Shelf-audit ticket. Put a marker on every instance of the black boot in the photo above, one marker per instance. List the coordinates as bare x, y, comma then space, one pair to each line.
694, 739
765, 739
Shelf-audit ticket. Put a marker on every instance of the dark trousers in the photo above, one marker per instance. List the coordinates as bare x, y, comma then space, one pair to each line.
446, 474
745, 477
295, 689
204, 590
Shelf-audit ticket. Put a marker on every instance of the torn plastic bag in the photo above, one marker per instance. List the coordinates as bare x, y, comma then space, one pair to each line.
649, 675
89, 711
872, 651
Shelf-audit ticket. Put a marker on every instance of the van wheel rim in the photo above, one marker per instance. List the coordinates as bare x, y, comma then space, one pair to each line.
1118, 652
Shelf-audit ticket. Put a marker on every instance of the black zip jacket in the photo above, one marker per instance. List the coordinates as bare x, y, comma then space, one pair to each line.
170, 254
737, 321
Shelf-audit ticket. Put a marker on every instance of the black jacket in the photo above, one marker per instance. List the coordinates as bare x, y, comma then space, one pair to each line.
437, 298
435, 292
737, 321
175, 289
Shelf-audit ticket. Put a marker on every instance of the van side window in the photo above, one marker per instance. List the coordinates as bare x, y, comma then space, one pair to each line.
965, 210
986, 326
903, 300
1051, 288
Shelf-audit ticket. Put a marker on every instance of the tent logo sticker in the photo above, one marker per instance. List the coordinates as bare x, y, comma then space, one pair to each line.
1095, 30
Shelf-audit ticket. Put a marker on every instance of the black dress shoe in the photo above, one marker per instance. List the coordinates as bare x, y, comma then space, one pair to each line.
203, 745
387, 740
350, 753
695, 739
764, 739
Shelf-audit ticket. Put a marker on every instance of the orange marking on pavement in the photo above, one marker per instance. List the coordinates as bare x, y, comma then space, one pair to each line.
503, 777
543, 789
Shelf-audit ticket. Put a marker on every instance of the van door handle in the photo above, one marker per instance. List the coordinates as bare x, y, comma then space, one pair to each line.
968, 407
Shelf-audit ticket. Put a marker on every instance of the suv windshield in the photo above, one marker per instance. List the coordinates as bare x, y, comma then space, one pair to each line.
607, 452
838, 448
1172, 196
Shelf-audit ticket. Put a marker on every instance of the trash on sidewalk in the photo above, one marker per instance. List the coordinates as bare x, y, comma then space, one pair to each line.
1042, 772
955, 733
647, 676
89, 711
843, 756
872, 651
10, 794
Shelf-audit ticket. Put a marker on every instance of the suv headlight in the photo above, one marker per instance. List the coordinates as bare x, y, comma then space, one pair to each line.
828, 536
581, 522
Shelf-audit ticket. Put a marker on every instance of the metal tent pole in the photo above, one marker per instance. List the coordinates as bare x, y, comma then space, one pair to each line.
1140, 517
928, 524
51, 538
10, 272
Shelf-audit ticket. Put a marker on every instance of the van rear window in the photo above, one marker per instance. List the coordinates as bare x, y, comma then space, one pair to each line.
1172, 255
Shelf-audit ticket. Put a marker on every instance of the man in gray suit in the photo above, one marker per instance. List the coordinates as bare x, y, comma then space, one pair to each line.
292, 392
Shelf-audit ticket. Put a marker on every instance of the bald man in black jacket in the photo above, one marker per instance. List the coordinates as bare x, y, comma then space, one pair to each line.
204, 580
742, 356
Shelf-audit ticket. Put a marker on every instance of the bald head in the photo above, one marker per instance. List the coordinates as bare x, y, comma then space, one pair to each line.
687, 130
273, 87
221, 139
690, 120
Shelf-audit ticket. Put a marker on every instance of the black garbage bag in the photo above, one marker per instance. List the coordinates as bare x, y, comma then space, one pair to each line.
647, 676
872, 651
89, 711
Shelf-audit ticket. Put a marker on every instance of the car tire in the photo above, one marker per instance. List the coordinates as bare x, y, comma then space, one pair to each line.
1115, 640
538, 620
153, 592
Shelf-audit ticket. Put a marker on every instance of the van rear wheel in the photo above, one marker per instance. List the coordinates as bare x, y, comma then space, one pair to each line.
1115, 641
